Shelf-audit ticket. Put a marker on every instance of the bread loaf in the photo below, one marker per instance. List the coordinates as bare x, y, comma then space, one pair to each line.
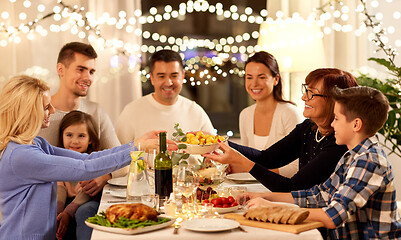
277, 214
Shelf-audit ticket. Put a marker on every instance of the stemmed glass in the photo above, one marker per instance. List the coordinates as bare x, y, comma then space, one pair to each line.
186, 181
237, 192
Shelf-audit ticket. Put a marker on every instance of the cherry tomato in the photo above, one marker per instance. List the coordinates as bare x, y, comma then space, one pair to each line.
216, 201
231, 199
225, 200
233, 204
206, 201
226, 205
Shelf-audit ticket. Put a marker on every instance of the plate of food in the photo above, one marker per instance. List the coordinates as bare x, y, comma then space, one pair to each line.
199, 142
127, 219
210, 224
223, 210
121, 181
241, 177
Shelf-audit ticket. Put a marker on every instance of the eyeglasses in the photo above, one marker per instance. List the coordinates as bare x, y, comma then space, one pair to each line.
309, 93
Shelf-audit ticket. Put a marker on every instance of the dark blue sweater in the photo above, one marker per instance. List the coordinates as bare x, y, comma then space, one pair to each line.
317, 160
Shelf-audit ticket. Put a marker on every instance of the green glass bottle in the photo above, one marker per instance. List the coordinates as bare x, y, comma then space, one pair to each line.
163, 170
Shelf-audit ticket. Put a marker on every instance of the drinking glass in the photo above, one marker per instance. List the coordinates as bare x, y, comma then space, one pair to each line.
150, 158
185, 183
151, 200
186, 180
236, 192
205, 210
137, 182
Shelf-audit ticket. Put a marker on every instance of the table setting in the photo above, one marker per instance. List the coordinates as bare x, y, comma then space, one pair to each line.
202, 203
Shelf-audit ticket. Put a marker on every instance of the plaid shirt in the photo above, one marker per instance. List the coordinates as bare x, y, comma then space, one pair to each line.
359, 196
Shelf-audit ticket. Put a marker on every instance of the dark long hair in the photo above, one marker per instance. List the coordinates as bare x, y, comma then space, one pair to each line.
270, 62
77, 117
331, 77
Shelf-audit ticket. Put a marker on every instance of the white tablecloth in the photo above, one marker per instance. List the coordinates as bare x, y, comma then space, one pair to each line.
167, 233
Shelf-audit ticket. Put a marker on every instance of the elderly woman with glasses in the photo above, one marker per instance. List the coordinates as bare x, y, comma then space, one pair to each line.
312, 141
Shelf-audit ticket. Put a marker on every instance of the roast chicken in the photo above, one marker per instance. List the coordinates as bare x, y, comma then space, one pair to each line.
277, 214
132, 211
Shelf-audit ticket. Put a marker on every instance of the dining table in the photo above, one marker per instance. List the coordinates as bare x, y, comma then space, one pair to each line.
109, 198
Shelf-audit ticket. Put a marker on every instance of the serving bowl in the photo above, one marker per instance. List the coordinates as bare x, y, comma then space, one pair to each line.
201, 149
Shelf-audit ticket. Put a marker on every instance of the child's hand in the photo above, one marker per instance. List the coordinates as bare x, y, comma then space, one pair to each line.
258, 201
63, 219
94, 186
247, 196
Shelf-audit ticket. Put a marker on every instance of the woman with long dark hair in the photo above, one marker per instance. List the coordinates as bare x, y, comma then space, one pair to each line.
271, 118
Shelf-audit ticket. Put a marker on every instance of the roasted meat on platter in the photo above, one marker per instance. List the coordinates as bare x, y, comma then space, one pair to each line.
132, 211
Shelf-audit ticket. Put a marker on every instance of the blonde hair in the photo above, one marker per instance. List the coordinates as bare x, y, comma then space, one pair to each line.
21, 110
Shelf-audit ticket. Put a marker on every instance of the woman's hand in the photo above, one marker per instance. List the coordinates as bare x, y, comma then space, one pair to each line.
237, 161
63, 219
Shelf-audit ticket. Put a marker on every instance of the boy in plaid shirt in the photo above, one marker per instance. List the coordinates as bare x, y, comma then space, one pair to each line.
358, 201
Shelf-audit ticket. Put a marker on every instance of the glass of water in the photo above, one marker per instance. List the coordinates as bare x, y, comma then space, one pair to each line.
236, 192
151, 200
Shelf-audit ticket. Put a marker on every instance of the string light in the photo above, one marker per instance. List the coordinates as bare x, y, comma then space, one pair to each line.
332, 15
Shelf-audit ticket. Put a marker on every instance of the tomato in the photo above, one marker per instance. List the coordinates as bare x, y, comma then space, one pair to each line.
219, 206
226, 205
231, 199
233, 204
216, 201
206, 201
225, 200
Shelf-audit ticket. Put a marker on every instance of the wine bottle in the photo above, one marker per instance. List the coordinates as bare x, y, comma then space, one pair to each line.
163, 170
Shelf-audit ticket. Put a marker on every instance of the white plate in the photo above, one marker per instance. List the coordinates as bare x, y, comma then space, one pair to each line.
210, 224
130, 231
241, 177
226, 210
121, 181
120, 193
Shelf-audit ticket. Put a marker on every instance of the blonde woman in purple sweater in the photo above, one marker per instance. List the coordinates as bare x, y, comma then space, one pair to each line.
30, 167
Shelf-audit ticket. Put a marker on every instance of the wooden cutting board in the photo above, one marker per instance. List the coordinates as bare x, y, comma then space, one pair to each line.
297, 228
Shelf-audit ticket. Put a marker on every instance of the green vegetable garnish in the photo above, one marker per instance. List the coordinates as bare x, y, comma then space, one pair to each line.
122, 222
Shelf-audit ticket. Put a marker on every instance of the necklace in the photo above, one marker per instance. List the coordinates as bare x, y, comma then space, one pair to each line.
318, 140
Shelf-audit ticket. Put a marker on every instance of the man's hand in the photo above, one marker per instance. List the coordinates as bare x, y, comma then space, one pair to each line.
94, 186
237, 161
150, 140
63, 219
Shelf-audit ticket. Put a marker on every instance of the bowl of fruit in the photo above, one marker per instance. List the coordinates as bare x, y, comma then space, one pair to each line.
201, 143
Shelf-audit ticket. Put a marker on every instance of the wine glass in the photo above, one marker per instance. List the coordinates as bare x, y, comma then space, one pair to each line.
150, 158
237, 191
186, 181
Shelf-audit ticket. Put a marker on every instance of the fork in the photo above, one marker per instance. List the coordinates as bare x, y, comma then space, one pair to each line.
176, 227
